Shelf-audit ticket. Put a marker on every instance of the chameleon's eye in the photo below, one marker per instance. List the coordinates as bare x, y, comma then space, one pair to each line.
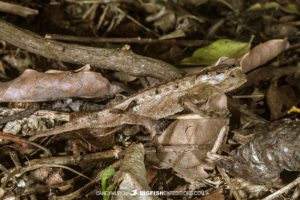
232, 75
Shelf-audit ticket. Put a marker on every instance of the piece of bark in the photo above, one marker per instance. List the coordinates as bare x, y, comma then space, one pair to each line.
116, 59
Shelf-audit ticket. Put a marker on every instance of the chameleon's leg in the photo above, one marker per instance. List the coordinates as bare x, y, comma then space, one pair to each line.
212, 155
215, 107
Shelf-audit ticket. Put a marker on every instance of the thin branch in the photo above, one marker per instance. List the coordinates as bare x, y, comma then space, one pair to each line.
71, 160
11, 114
19, 115
22, 170
229, 183
17, 10
283, 190
112, 59
134, 40
220, 139
22, 142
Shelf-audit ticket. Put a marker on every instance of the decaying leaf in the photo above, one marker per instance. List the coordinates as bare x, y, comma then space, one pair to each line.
294, 109
263, 159
132, 175
190, 165
202, 132
263, 53
289, 8
100, 138
280, 100
220, 48
33, 86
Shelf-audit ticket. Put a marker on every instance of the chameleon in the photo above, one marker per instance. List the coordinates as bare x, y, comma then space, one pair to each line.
160, 101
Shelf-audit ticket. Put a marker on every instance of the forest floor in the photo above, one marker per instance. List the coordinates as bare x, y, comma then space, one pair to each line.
137, 99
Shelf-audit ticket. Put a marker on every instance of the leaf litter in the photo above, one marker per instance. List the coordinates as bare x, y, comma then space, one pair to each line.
159, 129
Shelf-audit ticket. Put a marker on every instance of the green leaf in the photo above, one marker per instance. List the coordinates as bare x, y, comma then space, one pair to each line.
265, 6
110, 188
290, 8
107, 174
210, 54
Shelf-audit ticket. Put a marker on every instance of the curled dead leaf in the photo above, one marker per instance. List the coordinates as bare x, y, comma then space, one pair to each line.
263, 53
33, 86
190, 165
203, 132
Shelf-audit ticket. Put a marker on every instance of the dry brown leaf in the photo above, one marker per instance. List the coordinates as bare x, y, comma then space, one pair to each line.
263, 53
33, 86
202, 132
98, 138
190, 165
280, 100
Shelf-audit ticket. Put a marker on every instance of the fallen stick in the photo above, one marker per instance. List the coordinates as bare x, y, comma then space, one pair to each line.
17, 10
134, 40
113, 59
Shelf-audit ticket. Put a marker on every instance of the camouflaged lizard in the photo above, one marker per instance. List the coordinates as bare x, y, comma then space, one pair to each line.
160, 101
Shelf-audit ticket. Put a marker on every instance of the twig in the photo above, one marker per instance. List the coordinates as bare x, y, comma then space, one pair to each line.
220, 139
15, 113
187, 116
19, 115
248, 96
283, 190
71, 160
78, 193
30, 168
229, 183
102, 17
39, 189
135, 40
17, 10
175, 148
137, 22
112, 59
23, 142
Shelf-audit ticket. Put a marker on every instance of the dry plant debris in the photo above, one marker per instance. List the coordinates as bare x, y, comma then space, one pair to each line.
263, 53
262, 159
33, 86
99, 119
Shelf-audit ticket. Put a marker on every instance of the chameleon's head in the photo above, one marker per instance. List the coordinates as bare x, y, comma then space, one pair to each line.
234, 78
